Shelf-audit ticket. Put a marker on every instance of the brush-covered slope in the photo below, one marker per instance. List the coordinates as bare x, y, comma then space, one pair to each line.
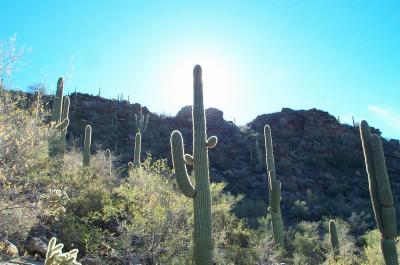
318, 159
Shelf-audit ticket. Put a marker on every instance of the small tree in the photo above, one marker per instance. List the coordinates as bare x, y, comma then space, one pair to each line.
10, 56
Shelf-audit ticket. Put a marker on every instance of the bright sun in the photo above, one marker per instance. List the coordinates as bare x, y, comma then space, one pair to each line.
218, 80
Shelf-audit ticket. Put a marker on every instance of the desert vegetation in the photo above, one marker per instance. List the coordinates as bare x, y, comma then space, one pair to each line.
147, 212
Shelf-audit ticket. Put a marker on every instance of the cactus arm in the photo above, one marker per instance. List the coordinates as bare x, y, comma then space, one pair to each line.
365, 133
54, 255
334, 237
60, 121
269, 149
276, 194
212, 142
388, 213
65, 109
64, 116
178, 161
86, 145
138, 147
136, 122
380, 192
146, 121
57, 105
385, 192
62, 126
188, 159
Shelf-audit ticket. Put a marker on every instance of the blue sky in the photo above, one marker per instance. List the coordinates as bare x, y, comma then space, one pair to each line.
257, 56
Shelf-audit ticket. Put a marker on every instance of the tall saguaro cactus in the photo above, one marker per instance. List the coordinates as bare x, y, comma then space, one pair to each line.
141, 121
60, 121
380, 192
108, 159
334, 237
86, 146
138, 150
57, 105
203, 243
64, 116
274, 191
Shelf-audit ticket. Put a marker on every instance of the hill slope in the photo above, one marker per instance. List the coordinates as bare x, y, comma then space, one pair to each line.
318, 160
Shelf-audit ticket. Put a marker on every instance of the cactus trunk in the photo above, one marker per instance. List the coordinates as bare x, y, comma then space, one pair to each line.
65, 113
138, 149
108, 159
60, 122
202, 236
334, 238
86, 146
274, 191
380, 192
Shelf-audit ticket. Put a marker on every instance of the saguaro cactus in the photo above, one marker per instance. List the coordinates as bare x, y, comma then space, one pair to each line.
141, 121
380, 192
141, 126
108, 159
86, 146
60, 121
138, 149
334, 237
203, 244
57, 105
64, 116
274, 191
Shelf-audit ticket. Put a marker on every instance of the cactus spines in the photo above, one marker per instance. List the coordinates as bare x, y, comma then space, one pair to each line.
138, 149
55, 256
200, 192
380, 192
334, 237
86, 146
274, 191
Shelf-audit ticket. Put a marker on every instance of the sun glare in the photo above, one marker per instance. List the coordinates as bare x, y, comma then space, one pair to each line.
218, 80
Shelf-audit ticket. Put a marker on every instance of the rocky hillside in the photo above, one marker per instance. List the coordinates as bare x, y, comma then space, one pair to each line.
318, 159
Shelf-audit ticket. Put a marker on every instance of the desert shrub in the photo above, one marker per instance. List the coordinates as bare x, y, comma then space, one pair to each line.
372, 253
53, 205
359, 223
146, 217
347, 246
79, 234
306, 244
299, 210
235, 243
251, 209
23, 136
372, 248
23, 154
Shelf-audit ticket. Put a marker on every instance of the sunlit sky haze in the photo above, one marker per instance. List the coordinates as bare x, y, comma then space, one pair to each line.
257, 56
